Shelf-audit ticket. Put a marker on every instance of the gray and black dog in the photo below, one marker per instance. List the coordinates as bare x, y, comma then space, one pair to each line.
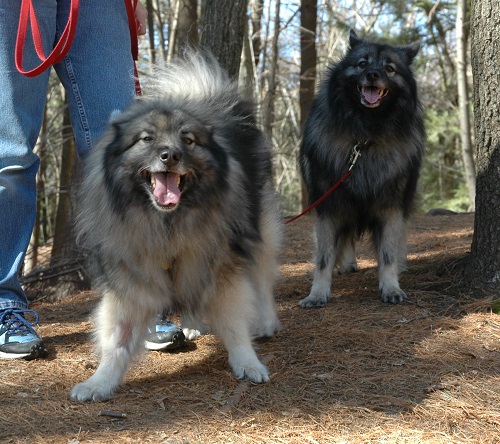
369, 101
178, 210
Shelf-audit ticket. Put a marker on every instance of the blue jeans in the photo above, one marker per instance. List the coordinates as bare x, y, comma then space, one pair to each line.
97, 74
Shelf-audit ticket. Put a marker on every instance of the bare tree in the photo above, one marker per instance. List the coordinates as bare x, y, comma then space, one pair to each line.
268, 107
257, 9
484, 265
63, 215
187, 25
463, 101
151, 31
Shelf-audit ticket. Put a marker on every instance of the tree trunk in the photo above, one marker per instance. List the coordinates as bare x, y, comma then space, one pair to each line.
308, 20
223, 31
31, 259
256, 19
187, 25
484, 266
151, 31
268, 106
63, 214
463, 102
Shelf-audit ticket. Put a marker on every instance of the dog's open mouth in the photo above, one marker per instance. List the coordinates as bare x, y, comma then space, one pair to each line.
372, 95
166, 187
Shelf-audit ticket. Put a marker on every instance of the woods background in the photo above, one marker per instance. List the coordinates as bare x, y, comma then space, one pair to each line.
285, 47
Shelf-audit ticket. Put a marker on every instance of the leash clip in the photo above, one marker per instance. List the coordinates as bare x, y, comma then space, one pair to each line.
356, 152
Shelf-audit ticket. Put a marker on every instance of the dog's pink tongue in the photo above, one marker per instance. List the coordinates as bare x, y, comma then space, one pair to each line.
371, 95
166, 190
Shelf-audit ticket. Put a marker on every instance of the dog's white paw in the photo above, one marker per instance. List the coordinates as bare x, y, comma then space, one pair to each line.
392, 296
192, 333
89, 391
316, 299
255, 372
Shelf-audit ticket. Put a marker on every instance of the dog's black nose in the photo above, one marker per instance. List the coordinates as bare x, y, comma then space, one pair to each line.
170, 157
372, 75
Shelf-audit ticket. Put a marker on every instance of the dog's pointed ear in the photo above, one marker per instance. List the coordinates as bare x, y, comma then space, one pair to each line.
411, 51
353, 39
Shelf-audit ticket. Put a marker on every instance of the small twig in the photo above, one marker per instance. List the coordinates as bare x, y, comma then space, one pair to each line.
112, 414
50, 276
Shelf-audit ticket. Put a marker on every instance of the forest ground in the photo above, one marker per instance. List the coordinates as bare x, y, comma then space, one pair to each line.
355, 371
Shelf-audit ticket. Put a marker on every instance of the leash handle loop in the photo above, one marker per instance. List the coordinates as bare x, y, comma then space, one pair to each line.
28, 16
60, 50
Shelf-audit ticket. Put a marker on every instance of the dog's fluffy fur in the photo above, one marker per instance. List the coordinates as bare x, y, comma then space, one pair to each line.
179, 211
368, 98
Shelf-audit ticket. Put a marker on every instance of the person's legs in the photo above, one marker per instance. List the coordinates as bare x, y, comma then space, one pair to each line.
22, 101
98, 71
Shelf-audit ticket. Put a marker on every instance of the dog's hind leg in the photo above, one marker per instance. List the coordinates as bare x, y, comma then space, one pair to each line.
231, 314
390, 243
120, 330
193, 326
346, 260
263, 273
326, 257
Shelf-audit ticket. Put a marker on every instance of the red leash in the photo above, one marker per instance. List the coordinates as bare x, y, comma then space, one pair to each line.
134, 41
59, 51
64, 44
352, 161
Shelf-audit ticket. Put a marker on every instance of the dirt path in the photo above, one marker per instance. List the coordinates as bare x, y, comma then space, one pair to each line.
356, 371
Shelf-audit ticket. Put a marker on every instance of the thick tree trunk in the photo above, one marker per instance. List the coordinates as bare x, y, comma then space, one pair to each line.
484, 266
223, 31
308, 20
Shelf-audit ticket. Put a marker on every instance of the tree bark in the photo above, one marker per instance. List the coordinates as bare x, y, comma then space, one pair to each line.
63, 215
223, 31
256, 19
187, 25
463, 102
268, 105
151, 31
308, 22
484, 266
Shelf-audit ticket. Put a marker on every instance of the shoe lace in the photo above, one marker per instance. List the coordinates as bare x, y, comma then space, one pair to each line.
15, 322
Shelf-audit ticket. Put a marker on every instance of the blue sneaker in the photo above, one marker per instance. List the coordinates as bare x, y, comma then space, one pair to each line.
18, 339
165, 336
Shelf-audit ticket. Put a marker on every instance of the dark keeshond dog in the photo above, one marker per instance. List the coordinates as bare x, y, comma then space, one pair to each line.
179, 211
368, 102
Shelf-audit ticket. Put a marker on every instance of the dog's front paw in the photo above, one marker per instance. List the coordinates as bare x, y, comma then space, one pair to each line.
255, 372
88, 391
392, 296
192, 333
315, 300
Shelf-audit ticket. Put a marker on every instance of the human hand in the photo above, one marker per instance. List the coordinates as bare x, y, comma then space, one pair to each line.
141, 15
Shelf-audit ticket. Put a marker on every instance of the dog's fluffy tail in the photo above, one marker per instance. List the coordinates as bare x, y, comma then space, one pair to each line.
194, 76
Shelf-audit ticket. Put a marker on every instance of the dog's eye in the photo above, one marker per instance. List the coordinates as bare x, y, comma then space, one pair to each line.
147, 139
188, 138
362, 64
390, 69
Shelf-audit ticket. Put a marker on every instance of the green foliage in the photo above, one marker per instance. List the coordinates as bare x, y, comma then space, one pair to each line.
442, 183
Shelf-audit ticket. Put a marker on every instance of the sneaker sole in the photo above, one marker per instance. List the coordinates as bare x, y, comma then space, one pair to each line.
37, 351
153, 346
